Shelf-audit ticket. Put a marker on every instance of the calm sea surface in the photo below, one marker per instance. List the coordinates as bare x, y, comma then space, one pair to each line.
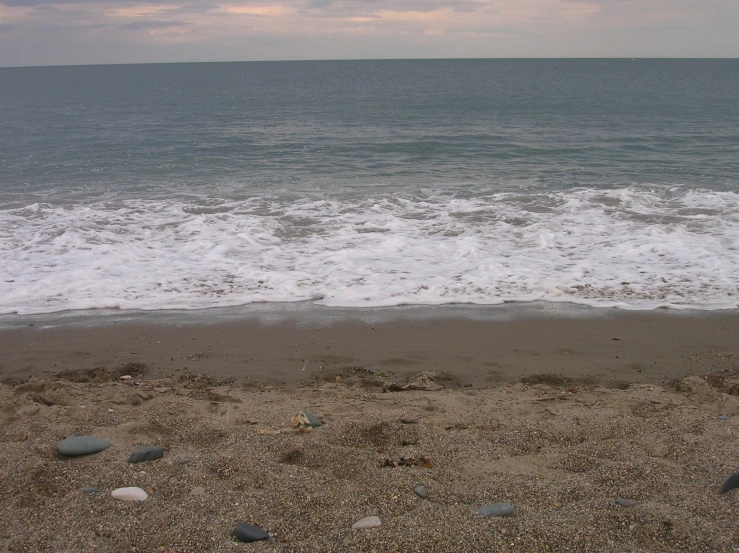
610, 183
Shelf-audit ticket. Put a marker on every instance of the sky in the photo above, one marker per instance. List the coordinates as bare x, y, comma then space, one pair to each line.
71, 32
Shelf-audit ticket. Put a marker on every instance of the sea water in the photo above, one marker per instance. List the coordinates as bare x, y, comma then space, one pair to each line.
609, 183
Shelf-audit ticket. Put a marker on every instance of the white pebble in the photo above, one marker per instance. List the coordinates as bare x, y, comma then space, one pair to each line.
367, 522
130, 494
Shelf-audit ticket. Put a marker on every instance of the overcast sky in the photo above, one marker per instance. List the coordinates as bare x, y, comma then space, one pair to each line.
56, 32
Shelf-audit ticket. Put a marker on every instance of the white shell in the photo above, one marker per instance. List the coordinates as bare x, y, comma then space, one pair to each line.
367, 522
129, 494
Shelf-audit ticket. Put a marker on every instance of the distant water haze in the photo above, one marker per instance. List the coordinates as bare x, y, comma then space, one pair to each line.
611, 183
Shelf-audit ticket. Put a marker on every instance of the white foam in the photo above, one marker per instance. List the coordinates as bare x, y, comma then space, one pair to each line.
633, 248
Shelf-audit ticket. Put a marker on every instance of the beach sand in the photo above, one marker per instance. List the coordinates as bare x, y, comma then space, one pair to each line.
559, 417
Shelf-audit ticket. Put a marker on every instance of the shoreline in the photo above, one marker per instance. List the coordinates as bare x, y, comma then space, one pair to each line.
477, 347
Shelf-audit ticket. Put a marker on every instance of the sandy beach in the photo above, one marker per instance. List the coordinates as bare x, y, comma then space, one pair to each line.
558, 417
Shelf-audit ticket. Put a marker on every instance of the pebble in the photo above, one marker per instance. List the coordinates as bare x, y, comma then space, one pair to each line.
624, 502
248, 533
421, 491
496, 510
367, 522
75, 446
730, 483
130, 494
148, 453
184, 460
197, 491
90, 490
723, 418
312, 419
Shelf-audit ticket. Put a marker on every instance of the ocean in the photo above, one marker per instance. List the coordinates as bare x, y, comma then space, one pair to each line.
353, 184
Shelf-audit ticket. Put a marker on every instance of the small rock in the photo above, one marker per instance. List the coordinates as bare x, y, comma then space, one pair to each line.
197, 491
148, 453
312, 419
130, 494
730, 483
126, 377
338, 379
75, 446
184, 460
367, 522
421, 491
135, 400
425, 381
248, 533
90, 490
723, 418
623, 502
496, 510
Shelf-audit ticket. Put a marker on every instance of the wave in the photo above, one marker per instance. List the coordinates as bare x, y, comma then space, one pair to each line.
633, 248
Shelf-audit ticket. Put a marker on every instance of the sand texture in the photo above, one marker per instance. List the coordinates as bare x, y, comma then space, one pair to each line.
560, 450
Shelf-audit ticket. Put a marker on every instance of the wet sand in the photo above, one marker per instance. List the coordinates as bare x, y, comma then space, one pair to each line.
557, 416
620, 348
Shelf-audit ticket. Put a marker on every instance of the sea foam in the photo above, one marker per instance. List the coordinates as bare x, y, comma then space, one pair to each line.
632, 248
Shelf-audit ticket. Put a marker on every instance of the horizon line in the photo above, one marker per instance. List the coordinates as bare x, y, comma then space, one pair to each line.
605, 58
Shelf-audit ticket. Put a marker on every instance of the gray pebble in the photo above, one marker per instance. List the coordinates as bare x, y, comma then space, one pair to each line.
90, 490
496, 510
312, 419
248, 533
197, 491
624, 502
184, 460
730, 483
82, 445
421, 491
723, 418
148, 453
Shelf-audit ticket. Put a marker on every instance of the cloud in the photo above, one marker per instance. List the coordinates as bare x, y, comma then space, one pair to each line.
100, 31
151, 24
190, 9
358, 8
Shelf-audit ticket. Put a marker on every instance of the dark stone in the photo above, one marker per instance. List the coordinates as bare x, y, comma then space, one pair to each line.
730, 483
421, 491
75, 446
148, 453
90, 490
723, 418
624, 502
248, 533
496, 510
312, 419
